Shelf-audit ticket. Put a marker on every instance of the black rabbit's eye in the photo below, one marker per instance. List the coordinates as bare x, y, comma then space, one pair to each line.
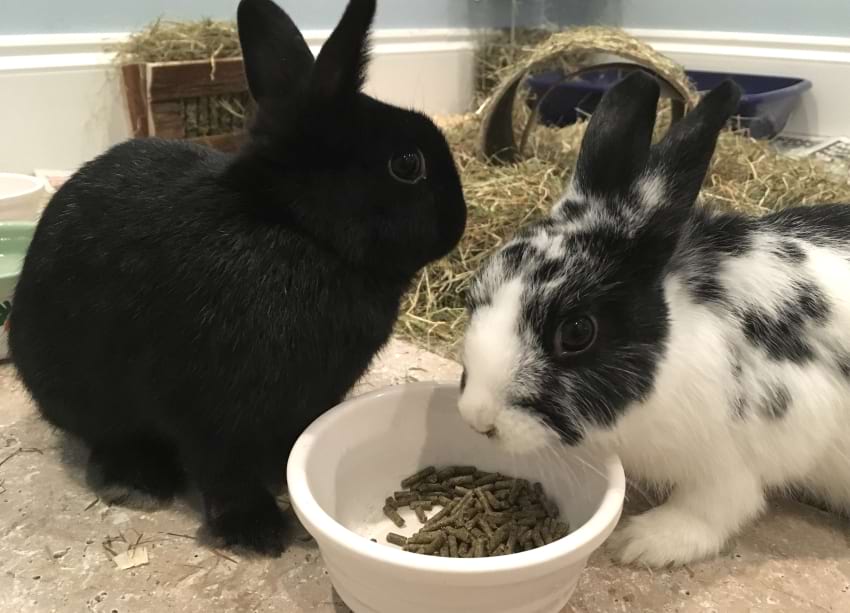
575, 335
408, 167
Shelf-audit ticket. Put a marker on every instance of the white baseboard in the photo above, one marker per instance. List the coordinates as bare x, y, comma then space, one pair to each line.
825, 61
62, 101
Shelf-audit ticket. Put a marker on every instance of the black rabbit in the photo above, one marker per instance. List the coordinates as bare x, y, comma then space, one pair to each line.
187, 313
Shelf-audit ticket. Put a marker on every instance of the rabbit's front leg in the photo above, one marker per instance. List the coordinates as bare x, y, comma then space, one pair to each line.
694, 523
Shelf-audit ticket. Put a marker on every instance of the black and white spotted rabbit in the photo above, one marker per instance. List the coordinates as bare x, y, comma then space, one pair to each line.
711, 351
188, 313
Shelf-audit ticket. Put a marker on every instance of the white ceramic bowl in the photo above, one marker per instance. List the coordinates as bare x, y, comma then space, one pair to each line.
354, 456
22, 197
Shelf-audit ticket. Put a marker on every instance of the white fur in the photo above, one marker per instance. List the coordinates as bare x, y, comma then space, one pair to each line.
493, 351
652, 191
684, 434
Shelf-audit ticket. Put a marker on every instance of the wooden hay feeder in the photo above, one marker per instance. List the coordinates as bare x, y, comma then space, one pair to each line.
202, 101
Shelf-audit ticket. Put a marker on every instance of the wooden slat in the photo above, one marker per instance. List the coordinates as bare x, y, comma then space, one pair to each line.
135, 92
172, 80
167, 119
222, 142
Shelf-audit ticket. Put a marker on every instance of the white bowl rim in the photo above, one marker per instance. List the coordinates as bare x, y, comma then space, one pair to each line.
36, 184
577, 545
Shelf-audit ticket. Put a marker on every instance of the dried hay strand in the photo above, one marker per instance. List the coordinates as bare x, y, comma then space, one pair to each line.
746, 176
180, 41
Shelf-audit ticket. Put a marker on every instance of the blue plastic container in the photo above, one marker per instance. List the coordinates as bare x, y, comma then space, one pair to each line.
764, 109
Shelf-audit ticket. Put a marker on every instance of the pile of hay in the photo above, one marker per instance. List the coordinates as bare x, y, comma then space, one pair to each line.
180, 41
184, 41
746, 176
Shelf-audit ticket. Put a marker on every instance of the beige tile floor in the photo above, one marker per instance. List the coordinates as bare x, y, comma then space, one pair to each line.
53, 558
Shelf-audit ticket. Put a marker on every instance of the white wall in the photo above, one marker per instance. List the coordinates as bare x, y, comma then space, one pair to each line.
62, 101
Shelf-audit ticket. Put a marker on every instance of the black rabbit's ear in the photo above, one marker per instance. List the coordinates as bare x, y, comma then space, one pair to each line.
616, 145
341, 66
277, 60
682, 157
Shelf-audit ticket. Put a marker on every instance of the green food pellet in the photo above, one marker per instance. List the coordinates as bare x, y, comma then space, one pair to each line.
561, 530
461, 534
545, 532
446, 473
432, 488
482, 513
394, 516
439, 516
522, 531
491, 500
485, 528
402, 498
422, 537
486, 479
538, 539
482, 499
479, 548
512, 539
550, 507
500, 536
516, 488
435, 545
417, 477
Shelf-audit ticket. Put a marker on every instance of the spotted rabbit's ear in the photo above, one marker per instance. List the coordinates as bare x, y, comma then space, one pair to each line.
615, 147
680, 160
277, 60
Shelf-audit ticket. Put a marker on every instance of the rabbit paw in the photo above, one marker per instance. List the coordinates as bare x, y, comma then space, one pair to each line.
256, 524
665, 537
140, 472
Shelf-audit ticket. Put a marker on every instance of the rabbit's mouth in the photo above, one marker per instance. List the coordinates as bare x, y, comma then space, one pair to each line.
515, 429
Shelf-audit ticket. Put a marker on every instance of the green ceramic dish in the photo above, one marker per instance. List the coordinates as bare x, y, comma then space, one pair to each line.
15, 237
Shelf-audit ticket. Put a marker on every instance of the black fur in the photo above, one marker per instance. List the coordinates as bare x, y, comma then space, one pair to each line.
824, 224
776, 402
709, 239
791, 252
187, 311
626, 301
782, 336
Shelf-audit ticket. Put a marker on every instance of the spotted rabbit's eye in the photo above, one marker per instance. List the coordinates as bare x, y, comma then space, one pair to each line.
408, 167
575, 335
